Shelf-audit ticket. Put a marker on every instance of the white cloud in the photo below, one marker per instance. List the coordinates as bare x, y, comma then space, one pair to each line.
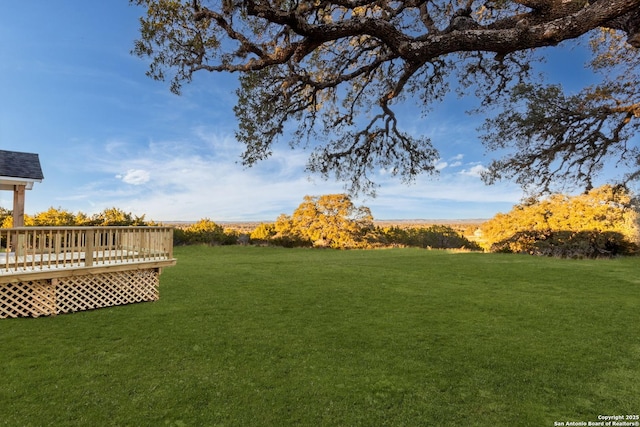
453, 162
476, 170
135, 177
195, 177
198, 175
439, 165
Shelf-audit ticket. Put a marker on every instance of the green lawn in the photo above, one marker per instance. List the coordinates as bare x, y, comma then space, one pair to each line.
246, 336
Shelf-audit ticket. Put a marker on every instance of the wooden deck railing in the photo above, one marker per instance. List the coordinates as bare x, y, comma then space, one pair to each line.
35, 249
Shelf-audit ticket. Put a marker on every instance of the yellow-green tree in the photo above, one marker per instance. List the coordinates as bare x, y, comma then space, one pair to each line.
263, 232
82, 219
283, 233
61, 217
54, 218
603, 216
51, 217
330, 220
115, 216
8, 221
283, 225
4, 214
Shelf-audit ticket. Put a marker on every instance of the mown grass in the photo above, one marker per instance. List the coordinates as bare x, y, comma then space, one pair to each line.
246, 336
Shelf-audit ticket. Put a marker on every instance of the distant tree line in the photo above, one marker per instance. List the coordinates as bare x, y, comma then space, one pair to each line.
328, 221
603, 222
600, 223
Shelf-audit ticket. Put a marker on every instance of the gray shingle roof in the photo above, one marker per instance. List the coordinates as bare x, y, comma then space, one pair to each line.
20, 165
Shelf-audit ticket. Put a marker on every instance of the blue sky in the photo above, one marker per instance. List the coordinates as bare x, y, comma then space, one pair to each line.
108, 136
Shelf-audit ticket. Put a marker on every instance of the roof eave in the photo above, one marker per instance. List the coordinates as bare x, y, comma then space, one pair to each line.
9, 182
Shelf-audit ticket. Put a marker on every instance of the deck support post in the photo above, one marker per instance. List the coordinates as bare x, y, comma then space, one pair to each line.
18, 205
18, 217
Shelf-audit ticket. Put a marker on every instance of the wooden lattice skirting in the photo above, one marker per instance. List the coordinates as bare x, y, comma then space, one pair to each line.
75, 293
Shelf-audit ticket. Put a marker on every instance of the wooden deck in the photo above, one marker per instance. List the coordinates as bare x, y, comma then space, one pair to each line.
53, 270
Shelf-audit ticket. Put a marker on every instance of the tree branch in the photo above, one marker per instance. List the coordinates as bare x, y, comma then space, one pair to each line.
343, 59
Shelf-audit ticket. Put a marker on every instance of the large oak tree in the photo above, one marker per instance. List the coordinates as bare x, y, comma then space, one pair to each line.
330, 220
600, 222
329, 75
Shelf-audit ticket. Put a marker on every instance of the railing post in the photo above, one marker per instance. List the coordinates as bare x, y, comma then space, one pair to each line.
57, 242
89, 237
169, 243
141, 242
20, 244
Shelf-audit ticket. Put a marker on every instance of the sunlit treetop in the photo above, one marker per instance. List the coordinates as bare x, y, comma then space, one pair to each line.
335, 72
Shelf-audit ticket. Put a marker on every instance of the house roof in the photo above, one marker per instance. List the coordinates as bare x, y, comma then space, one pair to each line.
14, 164
18, 168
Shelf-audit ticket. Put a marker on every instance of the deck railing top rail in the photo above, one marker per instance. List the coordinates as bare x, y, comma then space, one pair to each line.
37, 249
